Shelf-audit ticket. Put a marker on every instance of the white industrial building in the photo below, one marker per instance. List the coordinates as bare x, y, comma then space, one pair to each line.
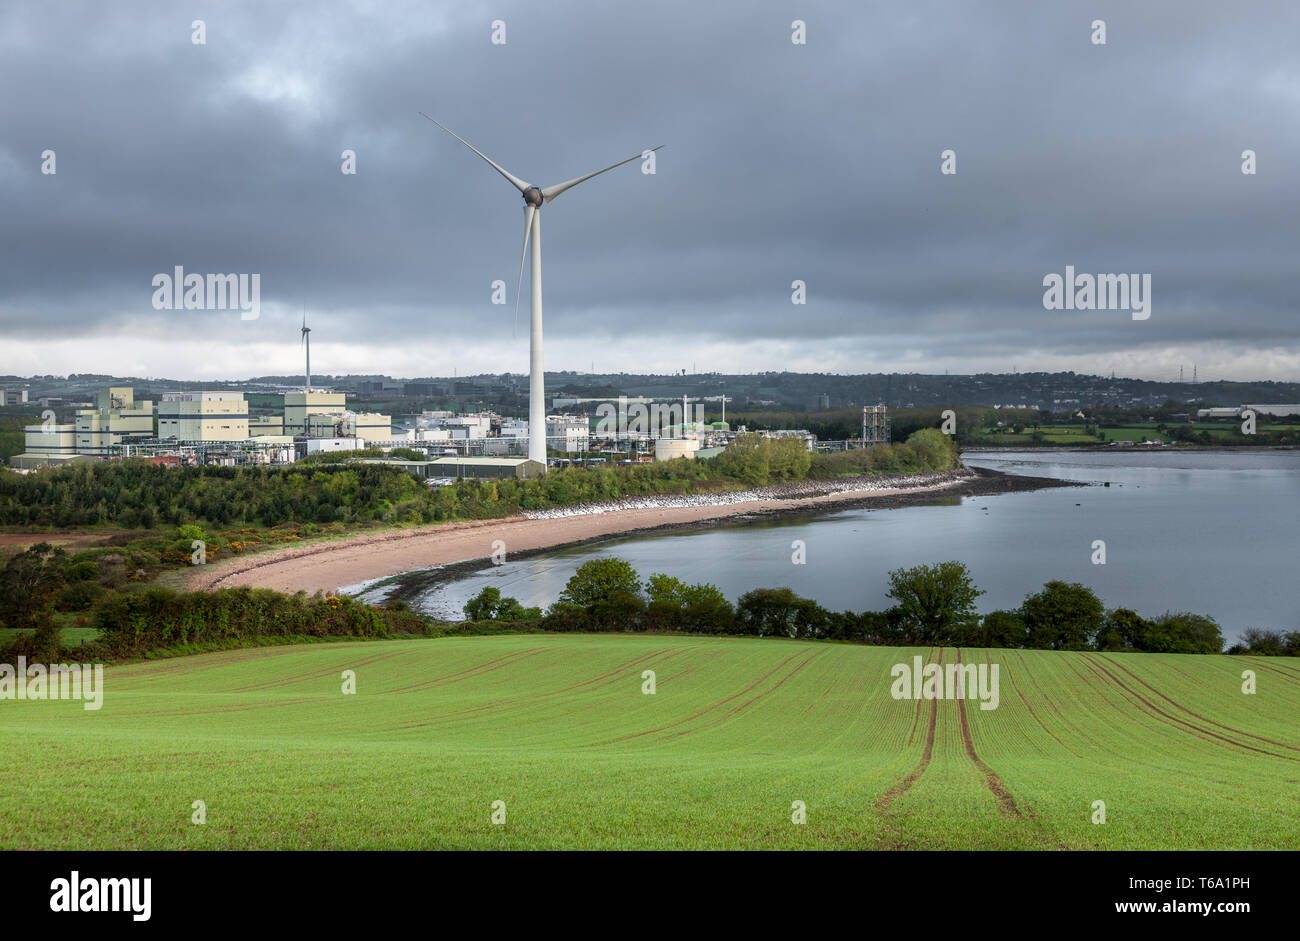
47, 444
203, 416
117, 418
331, 445
567, 433
1277, 410
298, 406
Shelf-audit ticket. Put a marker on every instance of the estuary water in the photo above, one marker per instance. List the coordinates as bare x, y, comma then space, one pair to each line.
1214, 532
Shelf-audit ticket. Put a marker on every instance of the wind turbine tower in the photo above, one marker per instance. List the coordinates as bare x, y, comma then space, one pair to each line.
306, 343
535, 198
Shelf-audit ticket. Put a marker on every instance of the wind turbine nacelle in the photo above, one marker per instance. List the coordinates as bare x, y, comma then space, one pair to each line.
533, 197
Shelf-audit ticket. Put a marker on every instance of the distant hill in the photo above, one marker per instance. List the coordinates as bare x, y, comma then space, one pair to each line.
1063, 391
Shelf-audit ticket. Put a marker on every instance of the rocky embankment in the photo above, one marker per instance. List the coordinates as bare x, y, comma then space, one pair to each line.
790, 490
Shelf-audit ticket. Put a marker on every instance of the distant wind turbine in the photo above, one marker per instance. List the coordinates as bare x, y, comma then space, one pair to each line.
534, 198
306, 343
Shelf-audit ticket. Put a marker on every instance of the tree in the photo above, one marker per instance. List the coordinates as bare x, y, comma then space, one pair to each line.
1001, 629
788, 458
746, 460
1263, 643
1062, 617
936, 450
28, 584
488, 605
935, 602
675, 605
481, 606
601, 580
602, 595
1123, 630
1183, 632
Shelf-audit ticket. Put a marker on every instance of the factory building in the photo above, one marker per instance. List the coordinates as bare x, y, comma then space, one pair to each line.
469, 426
116, 419
455, 468
323, 425
307, 446
47, 444
203, 416
1274, 410
299, 405
369, 426
485, 467
566, 433
265, 426
1277, 411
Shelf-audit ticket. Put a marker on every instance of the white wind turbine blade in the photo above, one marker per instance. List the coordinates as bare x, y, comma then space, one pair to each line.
518, 183
551, 192
529, 211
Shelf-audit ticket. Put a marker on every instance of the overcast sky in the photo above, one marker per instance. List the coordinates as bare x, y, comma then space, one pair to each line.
818, 162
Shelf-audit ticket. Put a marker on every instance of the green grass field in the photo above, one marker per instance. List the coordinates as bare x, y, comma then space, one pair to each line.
557, 727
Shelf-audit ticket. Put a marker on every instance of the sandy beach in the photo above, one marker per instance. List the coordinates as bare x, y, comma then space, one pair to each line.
331, 566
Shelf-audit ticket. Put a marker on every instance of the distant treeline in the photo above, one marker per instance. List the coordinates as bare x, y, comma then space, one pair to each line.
139, 494
934, 606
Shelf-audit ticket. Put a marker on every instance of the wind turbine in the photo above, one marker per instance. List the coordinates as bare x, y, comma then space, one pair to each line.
306, 343
534, 198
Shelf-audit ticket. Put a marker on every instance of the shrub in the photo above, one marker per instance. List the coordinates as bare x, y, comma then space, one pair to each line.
779, 612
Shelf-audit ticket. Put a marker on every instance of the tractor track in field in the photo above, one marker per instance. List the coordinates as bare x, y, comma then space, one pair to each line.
1291, 677
749, 702
916, 715
188, 664
603, 679
707, 709
997, 787
314, 674
1030, 709
1178, 723
1102, 682
236, 707
886, 799
1226, 728
1096, 682
644, 660
474, 672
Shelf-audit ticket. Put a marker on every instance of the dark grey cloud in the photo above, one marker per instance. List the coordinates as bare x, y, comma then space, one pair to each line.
819, 163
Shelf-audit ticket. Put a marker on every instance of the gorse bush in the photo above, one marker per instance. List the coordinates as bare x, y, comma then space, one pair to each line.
131, 624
